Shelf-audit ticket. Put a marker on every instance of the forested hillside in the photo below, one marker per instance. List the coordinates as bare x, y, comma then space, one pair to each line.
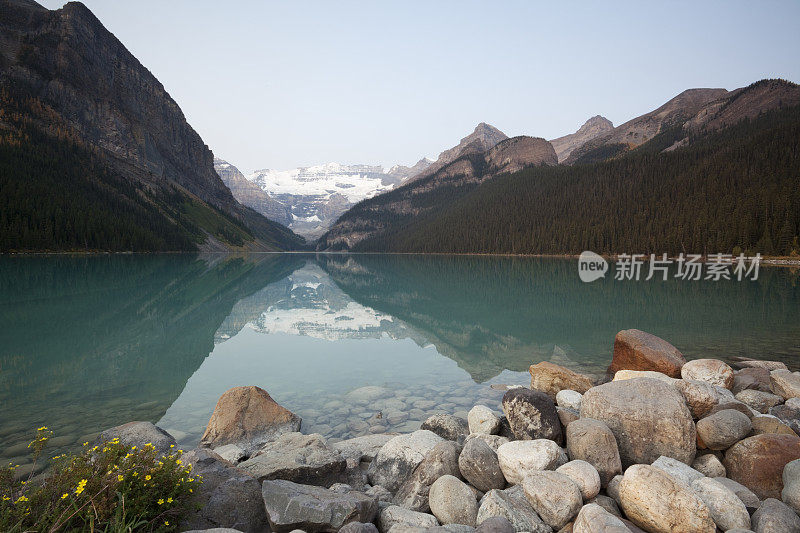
734, 190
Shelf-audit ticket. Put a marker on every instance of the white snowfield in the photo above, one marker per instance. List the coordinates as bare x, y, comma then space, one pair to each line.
355, 182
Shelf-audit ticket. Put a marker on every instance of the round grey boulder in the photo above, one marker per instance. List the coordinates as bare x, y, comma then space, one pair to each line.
709, 465
727, 510
594, 519
495, 524
479, 465
723, 429
481, 419
554, 496
452, 501
520, 457
584, 475
774, 516
446, 426
592, 441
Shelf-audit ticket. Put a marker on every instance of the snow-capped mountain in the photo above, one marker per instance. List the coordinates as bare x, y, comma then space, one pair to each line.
316, 196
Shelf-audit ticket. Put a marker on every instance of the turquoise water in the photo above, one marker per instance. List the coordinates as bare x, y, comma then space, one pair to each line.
91, 342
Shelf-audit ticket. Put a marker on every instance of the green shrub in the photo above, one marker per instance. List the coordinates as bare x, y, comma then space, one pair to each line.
109, 487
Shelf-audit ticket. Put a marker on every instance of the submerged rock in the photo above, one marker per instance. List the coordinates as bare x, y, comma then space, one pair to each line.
248, 417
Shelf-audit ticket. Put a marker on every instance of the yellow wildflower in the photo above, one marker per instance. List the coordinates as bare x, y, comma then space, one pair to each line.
136, 474
65, 496
166, 522
21, 499
120, 477
81, 486
160, 501
169, 500
171, 445
147, 477
86, 443
43, 428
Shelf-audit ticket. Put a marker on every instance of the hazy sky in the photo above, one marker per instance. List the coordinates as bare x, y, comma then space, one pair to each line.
295, 83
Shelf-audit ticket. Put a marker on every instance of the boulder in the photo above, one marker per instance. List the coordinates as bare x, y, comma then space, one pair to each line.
446, 426
711, 371
495, 524
494, 441
569, 399
622, 375
727, 510
607, 503
395, 515
362, 449
532, 415
292, 506
248, 417
709, 465
520, 457
452, 501
723, 429
566, 417
594, 519
483, 420
442, 460
757, 462
788, 414
584, 475
679, 471
637, 350
305, 459
751, 379
699, 395
655, 502
612, 489
785, 384
399, 457
227, 498
554, 497
649, 418
755, 363
748, 497
479, 465
769, 424
231, 453
775, 516
791, 485
759, 400
359, 527
515, 507
592, 441
734, 404
139, 434
551, 378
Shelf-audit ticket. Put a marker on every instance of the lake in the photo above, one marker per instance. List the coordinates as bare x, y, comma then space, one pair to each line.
90, 342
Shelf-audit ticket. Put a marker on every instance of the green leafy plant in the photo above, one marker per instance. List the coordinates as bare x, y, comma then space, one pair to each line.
109, 487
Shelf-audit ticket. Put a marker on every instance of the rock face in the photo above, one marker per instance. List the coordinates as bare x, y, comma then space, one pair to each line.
479, 141
723, 429
554, 497
655, 502
551, 378
293, 506
532, 414
637, 350
452, 502
399, 457
442, 460
139, 434
479, 465
710, 371
248, 417
514, 506
251, 195
300, 458
757, 462
520, 457
592, 441
592, 128
648, 418
512, 155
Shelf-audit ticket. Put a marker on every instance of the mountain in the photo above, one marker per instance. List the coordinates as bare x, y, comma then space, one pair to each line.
641, 129
479, 141
97, 155
592, 128
316, 196
377, 219
248, 193
729, 186
404, 172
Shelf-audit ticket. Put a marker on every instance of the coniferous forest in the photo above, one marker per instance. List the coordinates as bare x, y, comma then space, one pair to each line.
731, 191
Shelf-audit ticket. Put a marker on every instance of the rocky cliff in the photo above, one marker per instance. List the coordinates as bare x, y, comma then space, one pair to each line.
248, 193
78, 81
592, 128
479, 141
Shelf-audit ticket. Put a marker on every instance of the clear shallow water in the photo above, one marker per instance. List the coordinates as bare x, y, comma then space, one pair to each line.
87, 343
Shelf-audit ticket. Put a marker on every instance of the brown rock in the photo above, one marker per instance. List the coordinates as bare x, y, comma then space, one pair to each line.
767, 365
512, 155
637, 350
751, 378
592, 441
785, 384
248, 417
757, 462
551, 378
769, 424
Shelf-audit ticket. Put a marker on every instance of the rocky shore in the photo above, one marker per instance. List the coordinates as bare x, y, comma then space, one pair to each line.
658, 445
